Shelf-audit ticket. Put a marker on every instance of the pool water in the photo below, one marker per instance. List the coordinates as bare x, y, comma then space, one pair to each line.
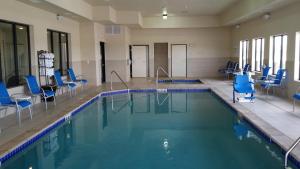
152, 131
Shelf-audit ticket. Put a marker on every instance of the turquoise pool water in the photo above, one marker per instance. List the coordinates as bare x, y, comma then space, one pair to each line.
152, 131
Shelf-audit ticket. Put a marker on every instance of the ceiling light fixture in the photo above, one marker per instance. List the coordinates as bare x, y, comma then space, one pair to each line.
237, 26
267, 16
165, 14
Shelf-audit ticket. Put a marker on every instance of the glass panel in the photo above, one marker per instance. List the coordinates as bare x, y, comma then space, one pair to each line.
49, 40
277, 53
244, 53
64, 54
258, 54
22, 52
7, 55
284, 51
241, 54
56, 50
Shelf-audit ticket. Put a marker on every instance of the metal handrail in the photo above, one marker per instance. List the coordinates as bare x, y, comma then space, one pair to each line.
289, 151
123, 82
164, 71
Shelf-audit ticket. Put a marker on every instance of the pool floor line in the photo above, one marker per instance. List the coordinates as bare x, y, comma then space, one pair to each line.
236, 107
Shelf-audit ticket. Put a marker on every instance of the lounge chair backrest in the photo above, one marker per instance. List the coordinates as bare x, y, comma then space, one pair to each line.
4, 96
279, 76
241, 80
72, 74
246, 68
265, 72
33, 84
58, 79
235, 66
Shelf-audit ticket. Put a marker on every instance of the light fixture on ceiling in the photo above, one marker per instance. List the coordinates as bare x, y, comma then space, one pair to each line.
21, 28
267, 16
164, 14
237, 26
59, 17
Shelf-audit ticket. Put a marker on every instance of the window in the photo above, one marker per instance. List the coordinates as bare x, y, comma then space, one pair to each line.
244, 47
14, 53
278, 49
257, 53
58, 44
297, 57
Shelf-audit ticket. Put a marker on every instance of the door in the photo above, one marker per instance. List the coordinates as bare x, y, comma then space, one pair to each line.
139, 60
161, 58
103, 72
179, 60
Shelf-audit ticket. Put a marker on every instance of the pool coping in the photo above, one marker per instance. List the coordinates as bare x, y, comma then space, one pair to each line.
260, 126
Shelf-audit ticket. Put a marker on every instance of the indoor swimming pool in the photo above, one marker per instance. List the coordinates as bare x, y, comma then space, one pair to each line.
149, 130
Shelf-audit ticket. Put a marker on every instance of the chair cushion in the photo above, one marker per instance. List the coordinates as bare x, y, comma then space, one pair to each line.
23, 103
70, 85
49, 93
297, 96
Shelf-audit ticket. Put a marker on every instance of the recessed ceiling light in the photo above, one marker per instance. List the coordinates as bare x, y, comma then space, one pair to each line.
21, 28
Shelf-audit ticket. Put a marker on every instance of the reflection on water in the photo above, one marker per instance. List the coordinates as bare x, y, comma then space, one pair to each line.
186, 131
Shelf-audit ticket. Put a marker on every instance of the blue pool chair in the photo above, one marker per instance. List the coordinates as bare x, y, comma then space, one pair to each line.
73, 77
36, 90
274, 82
242, 85
246, 69
19, 103
232, 70
61, 84
264, 76
228, 66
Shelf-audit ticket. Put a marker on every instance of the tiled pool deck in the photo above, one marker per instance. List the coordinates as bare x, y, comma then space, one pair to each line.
272, 115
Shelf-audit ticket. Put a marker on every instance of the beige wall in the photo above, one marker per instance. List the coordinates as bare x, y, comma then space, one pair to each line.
39, 21
208, 48
284, 21
117, 54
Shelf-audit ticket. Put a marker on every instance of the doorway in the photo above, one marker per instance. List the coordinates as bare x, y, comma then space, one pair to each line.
161, 58
140, 61
179, 60
102, 52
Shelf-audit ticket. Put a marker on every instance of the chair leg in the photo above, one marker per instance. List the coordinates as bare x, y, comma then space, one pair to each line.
294, 105
46, 102
54, 100
30, 112
19, 115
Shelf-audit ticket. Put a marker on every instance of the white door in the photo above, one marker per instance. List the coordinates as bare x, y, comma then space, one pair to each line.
139, 61
179, 54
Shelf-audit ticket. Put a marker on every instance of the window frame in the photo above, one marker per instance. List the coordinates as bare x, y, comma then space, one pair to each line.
15, 46
281, 51
255, 47
60, 49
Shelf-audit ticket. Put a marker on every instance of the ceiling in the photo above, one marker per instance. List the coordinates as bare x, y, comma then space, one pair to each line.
174, 7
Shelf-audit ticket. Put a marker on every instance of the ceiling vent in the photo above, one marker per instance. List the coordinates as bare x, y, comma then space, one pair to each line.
113, 29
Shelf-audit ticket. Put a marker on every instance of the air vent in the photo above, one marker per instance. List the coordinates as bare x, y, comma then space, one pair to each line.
113, 29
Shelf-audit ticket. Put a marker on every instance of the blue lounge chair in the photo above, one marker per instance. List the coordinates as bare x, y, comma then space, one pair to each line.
264, 76
228, 66
36, 90
296, 96
61, 84
274, 82
19, 103
232, 70
243, 85
72, 76
246, 69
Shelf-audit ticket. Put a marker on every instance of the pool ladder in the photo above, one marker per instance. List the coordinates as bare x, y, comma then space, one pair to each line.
159, 68
118, 76
111, 88
289, 151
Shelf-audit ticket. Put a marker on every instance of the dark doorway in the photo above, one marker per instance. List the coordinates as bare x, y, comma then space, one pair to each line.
102, 51
161, 58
